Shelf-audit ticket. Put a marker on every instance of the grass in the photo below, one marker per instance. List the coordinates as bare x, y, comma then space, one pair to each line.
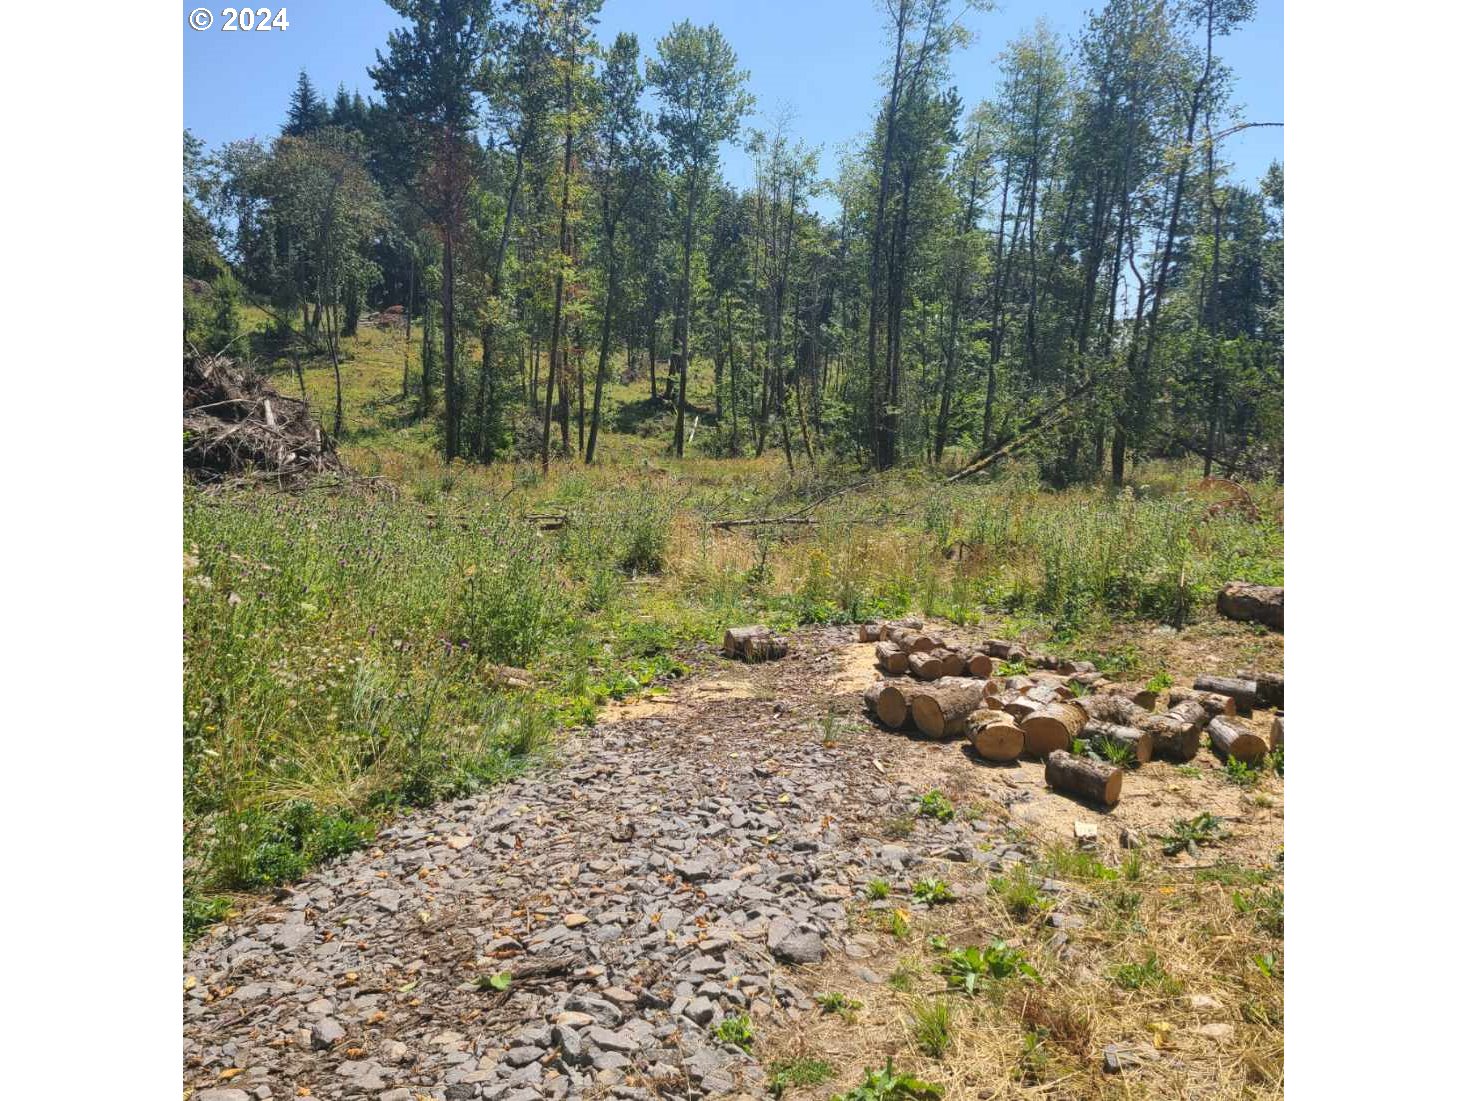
932, 1026
934, 892
799, 1072
1019, 893
340, 647
967, 968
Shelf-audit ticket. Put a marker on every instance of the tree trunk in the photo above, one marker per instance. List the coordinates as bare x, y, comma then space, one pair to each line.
939, 709
450, 379
1091, 780
1253, 603
686, 309
1138, 741
892, 657
1053, 727
754, 644
887, 700
1245, 693
1212, 702
1231, 739
994, 735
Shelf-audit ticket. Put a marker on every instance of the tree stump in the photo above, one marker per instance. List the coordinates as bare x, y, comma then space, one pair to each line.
754, 644
1053, 727
980, 664
1101, 783
1233, 740
994, 735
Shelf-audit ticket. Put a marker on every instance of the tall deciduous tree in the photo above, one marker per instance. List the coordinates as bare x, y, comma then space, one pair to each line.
701, 87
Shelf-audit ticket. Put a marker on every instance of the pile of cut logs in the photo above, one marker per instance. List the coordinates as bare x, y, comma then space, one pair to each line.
947, 690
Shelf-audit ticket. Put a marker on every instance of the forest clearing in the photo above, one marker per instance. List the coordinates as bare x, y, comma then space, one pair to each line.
646, 635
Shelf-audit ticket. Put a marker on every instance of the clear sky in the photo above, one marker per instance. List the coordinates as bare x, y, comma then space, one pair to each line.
821, 59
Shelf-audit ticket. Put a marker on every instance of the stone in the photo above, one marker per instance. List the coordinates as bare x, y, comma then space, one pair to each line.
1204, 1002
222, 1095
325, 1033
1218, 1031
700, 1011
800, 947
522, 1056
607, 1040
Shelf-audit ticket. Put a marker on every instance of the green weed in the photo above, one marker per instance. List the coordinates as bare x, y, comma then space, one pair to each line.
789, 1073
936, 805
932, 1026
890, 1085
968, 967
736, 1030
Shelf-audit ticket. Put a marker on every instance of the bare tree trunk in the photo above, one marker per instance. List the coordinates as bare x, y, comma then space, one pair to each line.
686, 309
557, 366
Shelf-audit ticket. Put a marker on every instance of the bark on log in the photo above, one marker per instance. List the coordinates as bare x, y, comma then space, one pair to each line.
754, 644
1245, 693
869, 632
914, 641
887, 700
1053, 727
953, 663
1253, 603
1101, 783
925, 665
892, 625
1043, 661
1276, 732
1212, 702
1019, 705
1112, 708
939, 709
892, 657
980, 664
1233, 740
994, 735
1269, 687
1143, 698
1008, 651
1138, 741
1171, 738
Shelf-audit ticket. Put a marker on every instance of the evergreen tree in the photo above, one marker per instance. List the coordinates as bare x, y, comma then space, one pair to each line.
307, 111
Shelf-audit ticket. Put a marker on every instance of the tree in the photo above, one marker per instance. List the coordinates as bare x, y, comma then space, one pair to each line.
621, 161
429, 79
703, 100
307, 111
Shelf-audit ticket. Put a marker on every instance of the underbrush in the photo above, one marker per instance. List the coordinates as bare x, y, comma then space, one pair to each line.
343, 653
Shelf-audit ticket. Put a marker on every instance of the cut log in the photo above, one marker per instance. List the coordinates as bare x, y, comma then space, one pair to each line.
1009, 651
1043, 661
913, 641
994, 735
1071, 668
1171, 738
892, 657
1233, 740
1253, 603
1212, 702
925, 665
869, 632
940, 709
1276, 732
1245, 693
1053, 727
754, 644
1142, 697
1269, 687
894, 624
1138, 741
1189, 711
1113, 708
980, 664
1019, 684
1101, 783
887, 700
953, 663
1019, 705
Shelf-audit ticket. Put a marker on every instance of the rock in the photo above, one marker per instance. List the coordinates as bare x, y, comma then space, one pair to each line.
1203, 1002
573, 1050
800, 947
867, 975
607, 1040
700, 1011
222, 1095
522, 1056
325, 1033
1116, 1058
395, 1051
574, 921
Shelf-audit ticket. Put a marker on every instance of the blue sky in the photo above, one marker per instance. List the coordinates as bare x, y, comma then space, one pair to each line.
821, 59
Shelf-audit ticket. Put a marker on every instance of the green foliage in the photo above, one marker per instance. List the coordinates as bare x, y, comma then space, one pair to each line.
789, 1073
1019, 893
736, 1030
878, 889
936, 805
1160, 682
1072, 863
1149, 974
202, 911
968, 967
932, 1026
933, 892
498, 982
1189, 833
1240, 773
264, 847
890, 1085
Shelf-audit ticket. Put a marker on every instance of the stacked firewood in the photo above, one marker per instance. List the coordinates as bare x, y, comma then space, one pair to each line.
944, 689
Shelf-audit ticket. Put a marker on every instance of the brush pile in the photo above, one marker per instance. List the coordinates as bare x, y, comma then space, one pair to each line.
237, 426
1086, 729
